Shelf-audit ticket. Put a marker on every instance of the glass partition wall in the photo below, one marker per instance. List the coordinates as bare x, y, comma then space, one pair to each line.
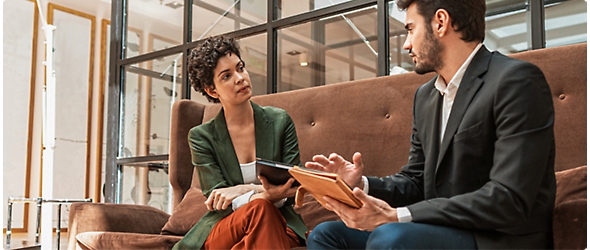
287, 44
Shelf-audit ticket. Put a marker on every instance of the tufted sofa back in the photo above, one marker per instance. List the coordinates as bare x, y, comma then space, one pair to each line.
373, 116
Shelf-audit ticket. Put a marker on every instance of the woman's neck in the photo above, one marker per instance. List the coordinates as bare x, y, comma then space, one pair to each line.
239, 114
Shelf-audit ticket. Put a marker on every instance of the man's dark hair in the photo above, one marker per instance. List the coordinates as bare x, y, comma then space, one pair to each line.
202, 60
467, 16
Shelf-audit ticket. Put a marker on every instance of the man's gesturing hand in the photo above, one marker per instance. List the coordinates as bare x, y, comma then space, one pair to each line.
349, 172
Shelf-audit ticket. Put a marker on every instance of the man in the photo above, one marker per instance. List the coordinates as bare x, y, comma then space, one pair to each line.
480, 170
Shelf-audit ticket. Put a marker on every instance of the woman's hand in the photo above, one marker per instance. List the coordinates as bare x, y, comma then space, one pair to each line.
221, 198
275, 193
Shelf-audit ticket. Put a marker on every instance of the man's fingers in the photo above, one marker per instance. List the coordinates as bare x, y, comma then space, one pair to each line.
357, 159
314, 165
342, 210
321, 159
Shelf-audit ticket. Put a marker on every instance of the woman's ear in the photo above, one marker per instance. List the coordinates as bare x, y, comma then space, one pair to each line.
211, 92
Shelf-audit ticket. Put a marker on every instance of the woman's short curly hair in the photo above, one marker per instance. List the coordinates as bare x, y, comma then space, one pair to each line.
203, 58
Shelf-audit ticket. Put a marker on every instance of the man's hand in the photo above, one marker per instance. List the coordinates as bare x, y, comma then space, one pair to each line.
221, 198
275, 193
349, 172
373, 213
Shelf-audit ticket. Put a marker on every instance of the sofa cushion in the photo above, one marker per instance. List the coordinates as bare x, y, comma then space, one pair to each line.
569, 225
186, 214
313, 213
571, 185
118, 240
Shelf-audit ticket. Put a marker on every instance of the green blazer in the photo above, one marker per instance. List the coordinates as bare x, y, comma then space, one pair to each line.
214, 156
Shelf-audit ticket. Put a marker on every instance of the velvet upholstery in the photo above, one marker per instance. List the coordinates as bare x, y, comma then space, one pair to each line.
373, 116
90, 217
187, 213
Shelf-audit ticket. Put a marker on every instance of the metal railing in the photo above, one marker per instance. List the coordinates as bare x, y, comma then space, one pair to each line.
39, 201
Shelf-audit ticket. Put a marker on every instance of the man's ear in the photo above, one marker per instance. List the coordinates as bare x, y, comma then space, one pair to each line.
211, 92
441, 22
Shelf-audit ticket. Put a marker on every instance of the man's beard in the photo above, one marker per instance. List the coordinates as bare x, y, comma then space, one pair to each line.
431, 58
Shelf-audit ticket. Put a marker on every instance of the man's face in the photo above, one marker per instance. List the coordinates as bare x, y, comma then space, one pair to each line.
425, 49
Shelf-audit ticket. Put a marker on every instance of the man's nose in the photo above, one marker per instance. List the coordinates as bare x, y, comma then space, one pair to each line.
407, 44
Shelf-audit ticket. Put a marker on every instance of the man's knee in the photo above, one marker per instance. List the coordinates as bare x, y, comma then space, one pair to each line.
388, 235
323, 230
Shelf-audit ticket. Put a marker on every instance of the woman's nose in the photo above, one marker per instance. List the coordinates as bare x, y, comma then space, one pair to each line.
239, 78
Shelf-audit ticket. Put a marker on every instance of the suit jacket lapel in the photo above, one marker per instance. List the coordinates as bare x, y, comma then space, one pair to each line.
468, 88
228, 160
434, 118
264, 132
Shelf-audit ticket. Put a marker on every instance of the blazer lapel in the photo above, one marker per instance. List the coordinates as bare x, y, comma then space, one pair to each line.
225, 151
434, 116
264, 132
468, 88
431, 140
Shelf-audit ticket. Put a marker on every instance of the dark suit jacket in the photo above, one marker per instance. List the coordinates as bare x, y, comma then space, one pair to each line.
214, 156
493, 172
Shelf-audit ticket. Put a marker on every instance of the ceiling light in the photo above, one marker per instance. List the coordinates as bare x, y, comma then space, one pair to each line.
174, 5
303, 59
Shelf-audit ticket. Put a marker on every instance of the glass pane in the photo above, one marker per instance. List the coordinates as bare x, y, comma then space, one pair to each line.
565, 23
155, 18
287, 8
506, 32
331, 50
399, 60
147, 184
17, 62
253, 52
214, 17
150, 89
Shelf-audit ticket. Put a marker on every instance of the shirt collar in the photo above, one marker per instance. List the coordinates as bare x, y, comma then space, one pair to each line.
440, 84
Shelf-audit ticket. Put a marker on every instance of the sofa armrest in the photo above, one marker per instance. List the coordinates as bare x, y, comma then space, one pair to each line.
108, 217
569, 225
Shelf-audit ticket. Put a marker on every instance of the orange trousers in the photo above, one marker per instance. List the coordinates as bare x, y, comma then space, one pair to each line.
256, 225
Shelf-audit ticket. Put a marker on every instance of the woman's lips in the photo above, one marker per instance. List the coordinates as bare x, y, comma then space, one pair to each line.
243, 89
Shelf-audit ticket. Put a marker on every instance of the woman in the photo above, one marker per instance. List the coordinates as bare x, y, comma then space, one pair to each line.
242, 213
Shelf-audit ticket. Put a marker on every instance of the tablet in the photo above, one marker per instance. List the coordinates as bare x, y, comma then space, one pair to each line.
277, 173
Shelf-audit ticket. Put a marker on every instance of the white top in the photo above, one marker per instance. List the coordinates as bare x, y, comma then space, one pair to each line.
249, 175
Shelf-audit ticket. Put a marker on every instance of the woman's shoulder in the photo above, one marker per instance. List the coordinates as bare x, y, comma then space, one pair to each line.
204, 128
273, 113
273, 110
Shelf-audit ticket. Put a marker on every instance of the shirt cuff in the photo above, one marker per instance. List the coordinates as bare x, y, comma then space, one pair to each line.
280, 203
404, 215
241, 200
366, 186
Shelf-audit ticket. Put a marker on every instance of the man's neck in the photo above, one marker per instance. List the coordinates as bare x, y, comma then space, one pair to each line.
454, 56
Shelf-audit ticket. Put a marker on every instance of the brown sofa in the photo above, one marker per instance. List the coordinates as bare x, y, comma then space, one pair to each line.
372, 116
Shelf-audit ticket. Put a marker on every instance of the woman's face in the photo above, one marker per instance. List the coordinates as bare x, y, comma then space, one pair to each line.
231, 79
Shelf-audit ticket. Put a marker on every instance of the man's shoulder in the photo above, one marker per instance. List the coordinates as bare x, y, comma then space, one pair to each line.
500, 60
